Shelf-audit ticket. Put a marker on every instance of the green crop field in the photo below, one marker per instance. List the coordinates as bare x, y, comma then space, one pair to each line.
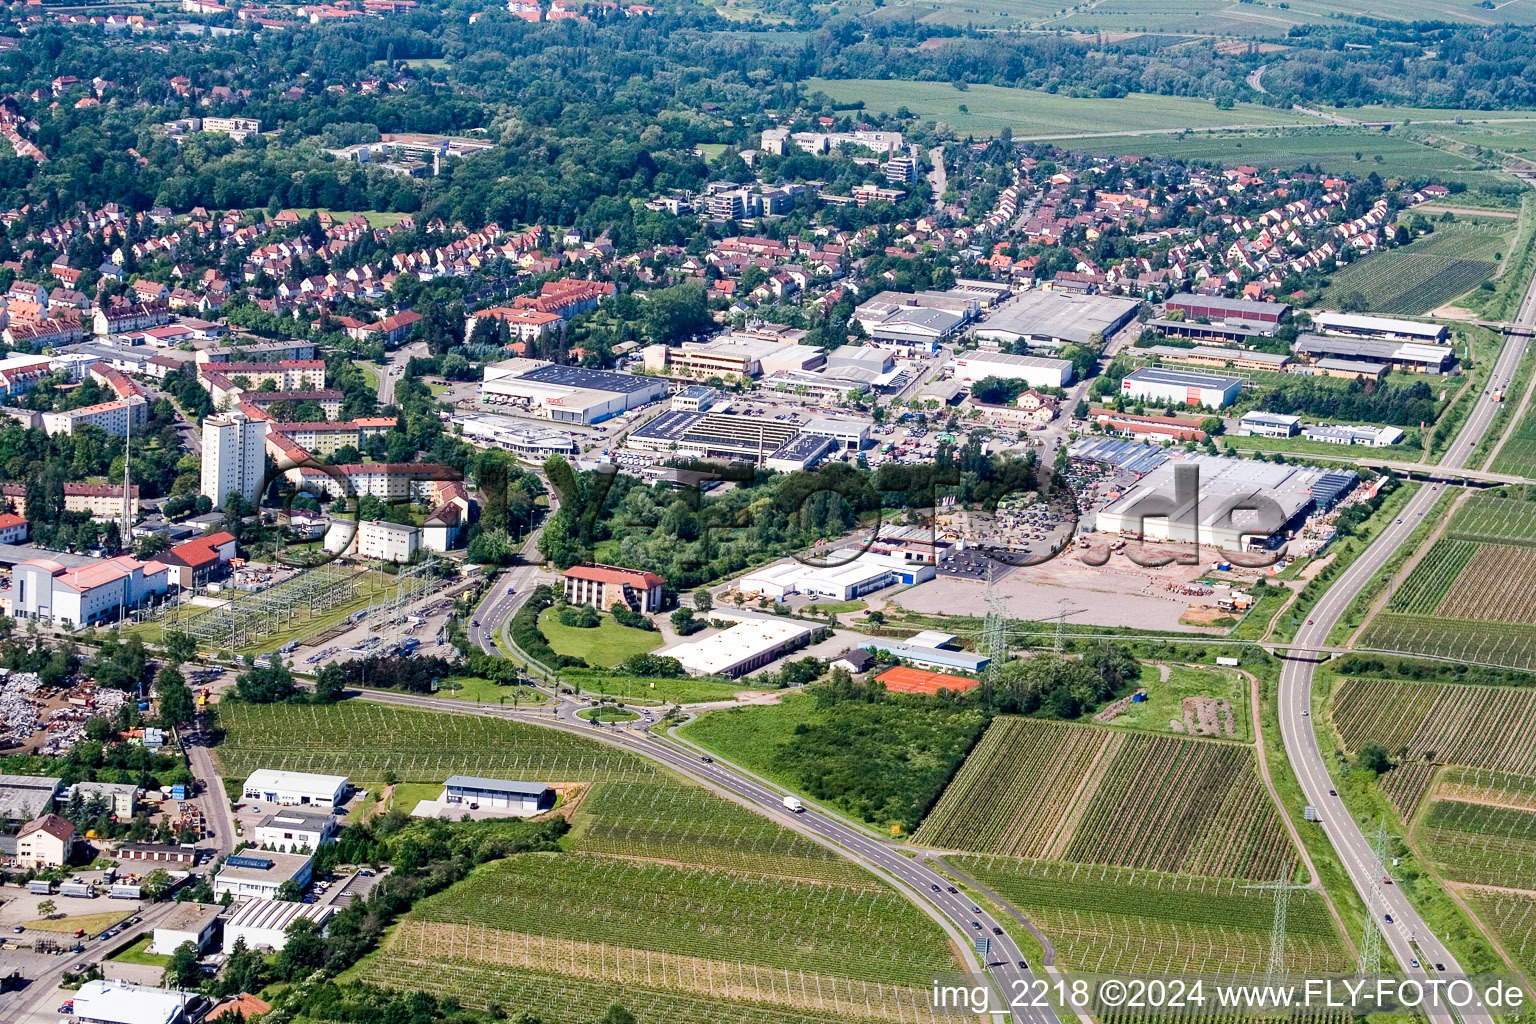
364, 741
988, 109
683, 690
1519, 456
1268, 19
1507, 644
1425, 274
605, 644
1477, 726
863, 932
1335, 149
1479, 843
660, 819
1469, 597
1426, 586
1406, 785
1100, 796
1512, 916
1120, 920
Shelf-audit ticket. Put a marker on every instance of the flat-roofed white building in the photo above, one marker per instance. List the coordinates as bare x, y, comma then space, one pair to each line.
1036, 371
1181, 387
287, 831
260, 875
772, 581
118, 1002
748, 645
1267, 424
296, 789
196, 923
1371, 437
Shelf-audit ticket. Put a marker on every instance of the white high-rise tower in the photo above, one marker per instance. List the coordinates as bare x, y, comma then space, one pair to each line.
234, 456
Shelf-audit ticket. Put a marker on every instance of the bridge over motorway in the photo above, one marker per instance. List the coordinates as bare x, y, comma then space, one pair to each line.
1507, 327
1446, 474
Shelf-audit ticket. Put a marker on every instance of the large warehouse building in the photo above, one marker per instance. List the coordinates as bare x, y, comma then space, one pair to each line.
864, 574
1398, 355
566, 394
1224, 310
1382, 328
1235, 504
745, 647
296, 789
1181, 387
1035, 371
1048, 319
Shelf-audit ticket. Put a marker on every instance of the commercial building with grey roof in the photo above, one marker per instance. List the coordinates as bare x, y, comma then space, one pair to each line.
1051, 319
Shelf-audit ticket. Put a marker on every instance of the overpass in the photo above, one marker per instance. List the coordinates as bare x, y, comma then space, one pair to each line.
1446, 474
1507, 327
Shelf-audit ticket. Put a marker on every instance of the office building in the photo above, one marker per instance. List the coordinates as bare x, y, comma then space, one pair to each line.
1267, 424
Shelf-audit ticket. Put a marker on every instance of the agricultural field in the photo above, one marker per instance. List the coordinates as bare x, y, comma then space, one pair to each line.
1487, 517
1519, 452
988, 109
1099, 796
365, 741
1269, 19
1406, 785
1479, 843
1425, 587
1333, 149
1469, 597
1118, 920
1512, 917
1486, 727
1428, 273
656, 820
683, 690
865, 932
718, 944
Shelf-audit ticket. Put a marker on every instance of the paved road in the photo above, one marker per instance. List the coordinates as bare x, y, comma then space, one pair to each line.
954, 910
1408, 929
36, 1003
394, 369
214, 800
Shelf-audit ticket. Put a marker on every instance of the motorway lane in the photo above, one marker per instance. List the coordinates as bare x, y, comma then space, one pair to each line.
915, 876
1295, 697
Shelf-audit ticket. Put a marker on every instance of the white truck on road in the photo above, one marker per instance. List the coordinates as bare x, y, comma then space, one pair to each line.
792, 803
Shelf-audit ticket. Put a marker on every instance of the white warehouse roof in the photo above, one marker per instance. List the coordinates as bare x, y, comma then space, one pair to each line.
121, 1003
276, 780
721, 653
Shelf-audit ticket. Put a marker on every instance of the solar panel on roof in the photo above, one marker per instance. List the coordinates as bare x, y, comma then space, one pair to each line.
258, 863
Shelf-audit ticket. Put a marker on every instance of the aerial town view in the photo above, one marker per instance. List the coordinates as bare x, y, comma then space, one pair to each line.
767, 512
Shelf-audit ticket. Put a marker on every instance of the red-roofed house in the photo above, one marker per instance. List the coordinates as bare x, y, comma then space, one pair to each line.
197, 561
603, 586
45, 842
13, 529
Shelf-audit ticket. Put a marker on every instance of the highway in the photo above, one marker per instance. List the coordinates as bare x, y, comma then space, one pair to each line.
1408, 929
931, 891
